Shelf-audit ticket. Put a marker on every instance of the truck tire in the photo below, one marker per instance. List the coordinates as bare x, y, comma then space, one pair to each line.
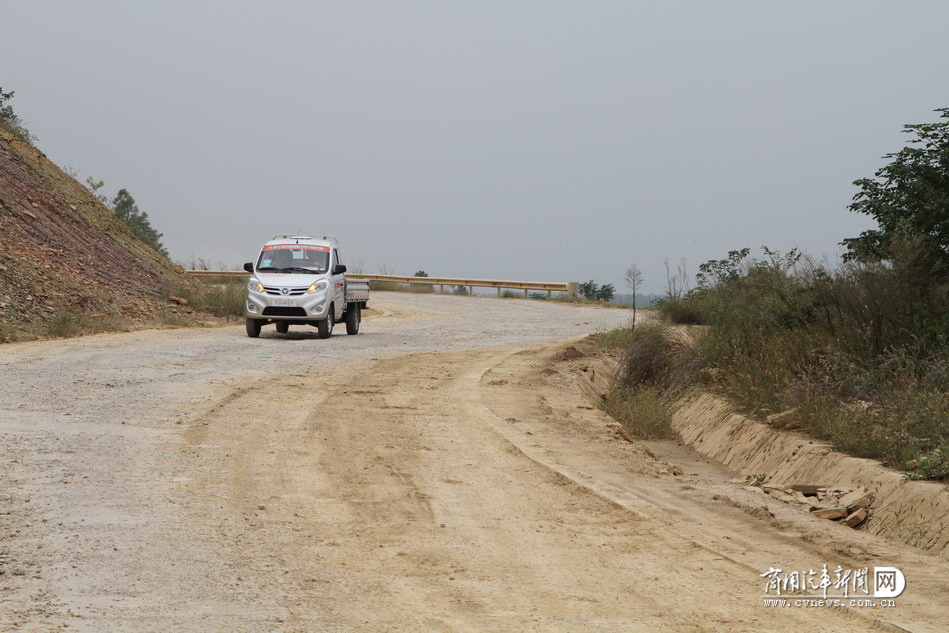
283, 326
353, 318
253, 327
324, 327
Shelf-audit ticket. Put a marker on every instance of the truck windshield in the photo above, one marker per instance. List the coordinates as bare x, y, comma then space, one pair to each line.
291, 258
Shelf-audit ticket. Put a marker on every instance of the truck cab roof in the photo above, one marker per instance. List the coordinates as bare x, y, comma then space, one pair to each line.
322, 240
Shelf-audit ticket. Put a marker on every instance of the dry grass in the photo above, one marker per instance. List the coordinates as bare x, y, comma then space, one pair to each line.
69, 324
220, 299
651, 363
643, 412
394, 286
861, 352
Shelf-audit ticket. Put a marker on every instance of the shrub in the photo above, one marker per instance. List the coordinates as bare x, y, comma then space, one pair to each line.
682, 311
10, 121
395, 286
862, 351
647, 359
387, 286
65, 324
935, 465
618, 340
642, 412
220, 299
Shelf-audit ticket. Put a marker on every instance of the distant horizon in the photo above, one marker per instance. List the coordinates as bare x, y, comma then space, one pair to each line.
558, 142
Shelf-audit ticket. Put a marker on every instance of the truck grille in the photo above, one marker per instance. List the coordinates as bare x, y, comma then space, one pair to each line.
281, 311
276, 290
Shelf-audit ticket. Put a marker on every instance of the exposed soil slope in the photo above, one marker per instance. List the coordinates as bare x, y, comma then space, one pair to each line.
63, 251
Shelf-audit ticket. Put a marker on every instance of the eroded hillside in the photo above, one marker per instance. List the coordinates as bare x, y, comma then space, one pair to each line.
64, 255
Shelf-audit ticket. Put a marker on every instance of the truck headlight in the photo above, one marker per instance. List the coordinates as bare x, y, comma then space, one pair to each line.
255, 285
317, 286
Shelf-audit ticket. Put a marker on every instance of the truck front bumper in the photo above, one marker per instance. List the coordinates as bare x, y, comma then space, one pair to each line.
312, 307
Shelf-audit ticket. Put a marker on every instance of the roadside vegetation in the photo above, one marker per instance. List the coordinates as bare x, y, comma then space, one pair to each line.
10, 121
594, 292
857, 353
222, 299
125, 208
68, 324
650, 363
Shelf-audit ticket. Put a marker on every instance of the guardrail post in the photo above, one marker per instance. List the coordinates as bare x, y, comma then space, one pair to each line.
525, 293
548, 295
499, 293
573, 288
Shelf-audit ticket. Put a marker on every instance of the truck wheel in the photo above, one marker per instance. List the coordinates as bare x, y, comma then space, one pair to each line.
324, 327
283, 327
253, 327
353, 318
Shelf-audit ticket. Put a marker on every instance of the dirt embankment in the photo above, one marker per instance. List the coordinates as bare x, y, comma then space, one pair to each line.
911, 512
62, 251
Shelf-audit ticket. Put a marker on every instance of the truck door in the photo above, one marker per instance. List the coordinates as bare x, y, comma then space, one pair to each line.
338, 286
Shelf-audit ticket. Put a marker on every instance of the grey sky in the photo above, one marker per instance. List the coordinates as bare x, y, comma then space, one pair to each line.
534, 140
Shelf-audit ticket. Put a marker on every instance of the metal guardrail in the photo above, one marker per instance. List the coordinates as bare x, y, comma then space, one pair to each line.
569, 287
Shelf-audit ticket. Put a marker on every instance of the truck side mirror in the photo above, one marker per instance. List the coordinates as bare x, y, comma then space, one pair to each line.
249, 267
339, 269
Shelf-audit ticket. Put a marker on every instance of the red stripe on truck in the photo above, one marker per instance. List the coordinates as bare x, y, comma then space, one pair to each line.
296, 247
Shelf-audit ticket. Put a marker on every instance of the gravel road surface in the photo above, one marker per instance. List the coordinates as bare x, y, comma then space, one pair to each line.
438, 472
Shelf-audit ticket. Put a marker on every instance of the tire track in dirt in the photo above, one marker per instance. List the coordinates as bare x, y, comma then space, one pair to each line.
295, 485
412, 510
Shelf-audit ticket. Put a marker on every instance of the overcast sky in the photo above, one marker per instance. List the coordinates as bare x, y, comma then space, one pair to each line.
542, 140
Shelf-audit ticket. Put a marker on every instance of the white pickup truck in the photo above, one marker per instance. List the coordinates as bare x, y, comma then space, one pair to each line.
298, 279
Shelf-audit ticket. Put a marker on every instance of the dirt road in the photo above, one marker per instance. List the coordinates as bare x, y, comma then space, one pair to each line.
442, 471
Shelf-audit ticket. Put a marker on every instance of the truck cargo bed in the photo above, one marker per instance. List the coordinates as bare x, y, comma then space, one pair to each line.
357, 290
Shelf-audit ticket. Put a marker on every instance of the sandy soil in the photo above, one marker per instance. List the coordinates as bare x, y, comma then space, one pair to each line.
439, 472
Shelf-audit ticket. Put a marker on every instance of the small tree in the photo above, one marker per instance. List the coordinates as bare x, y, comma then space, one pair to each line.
124, 207
588, 290
677, 283
94, 186
424, 287
634, 279
605, 292
909, 198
